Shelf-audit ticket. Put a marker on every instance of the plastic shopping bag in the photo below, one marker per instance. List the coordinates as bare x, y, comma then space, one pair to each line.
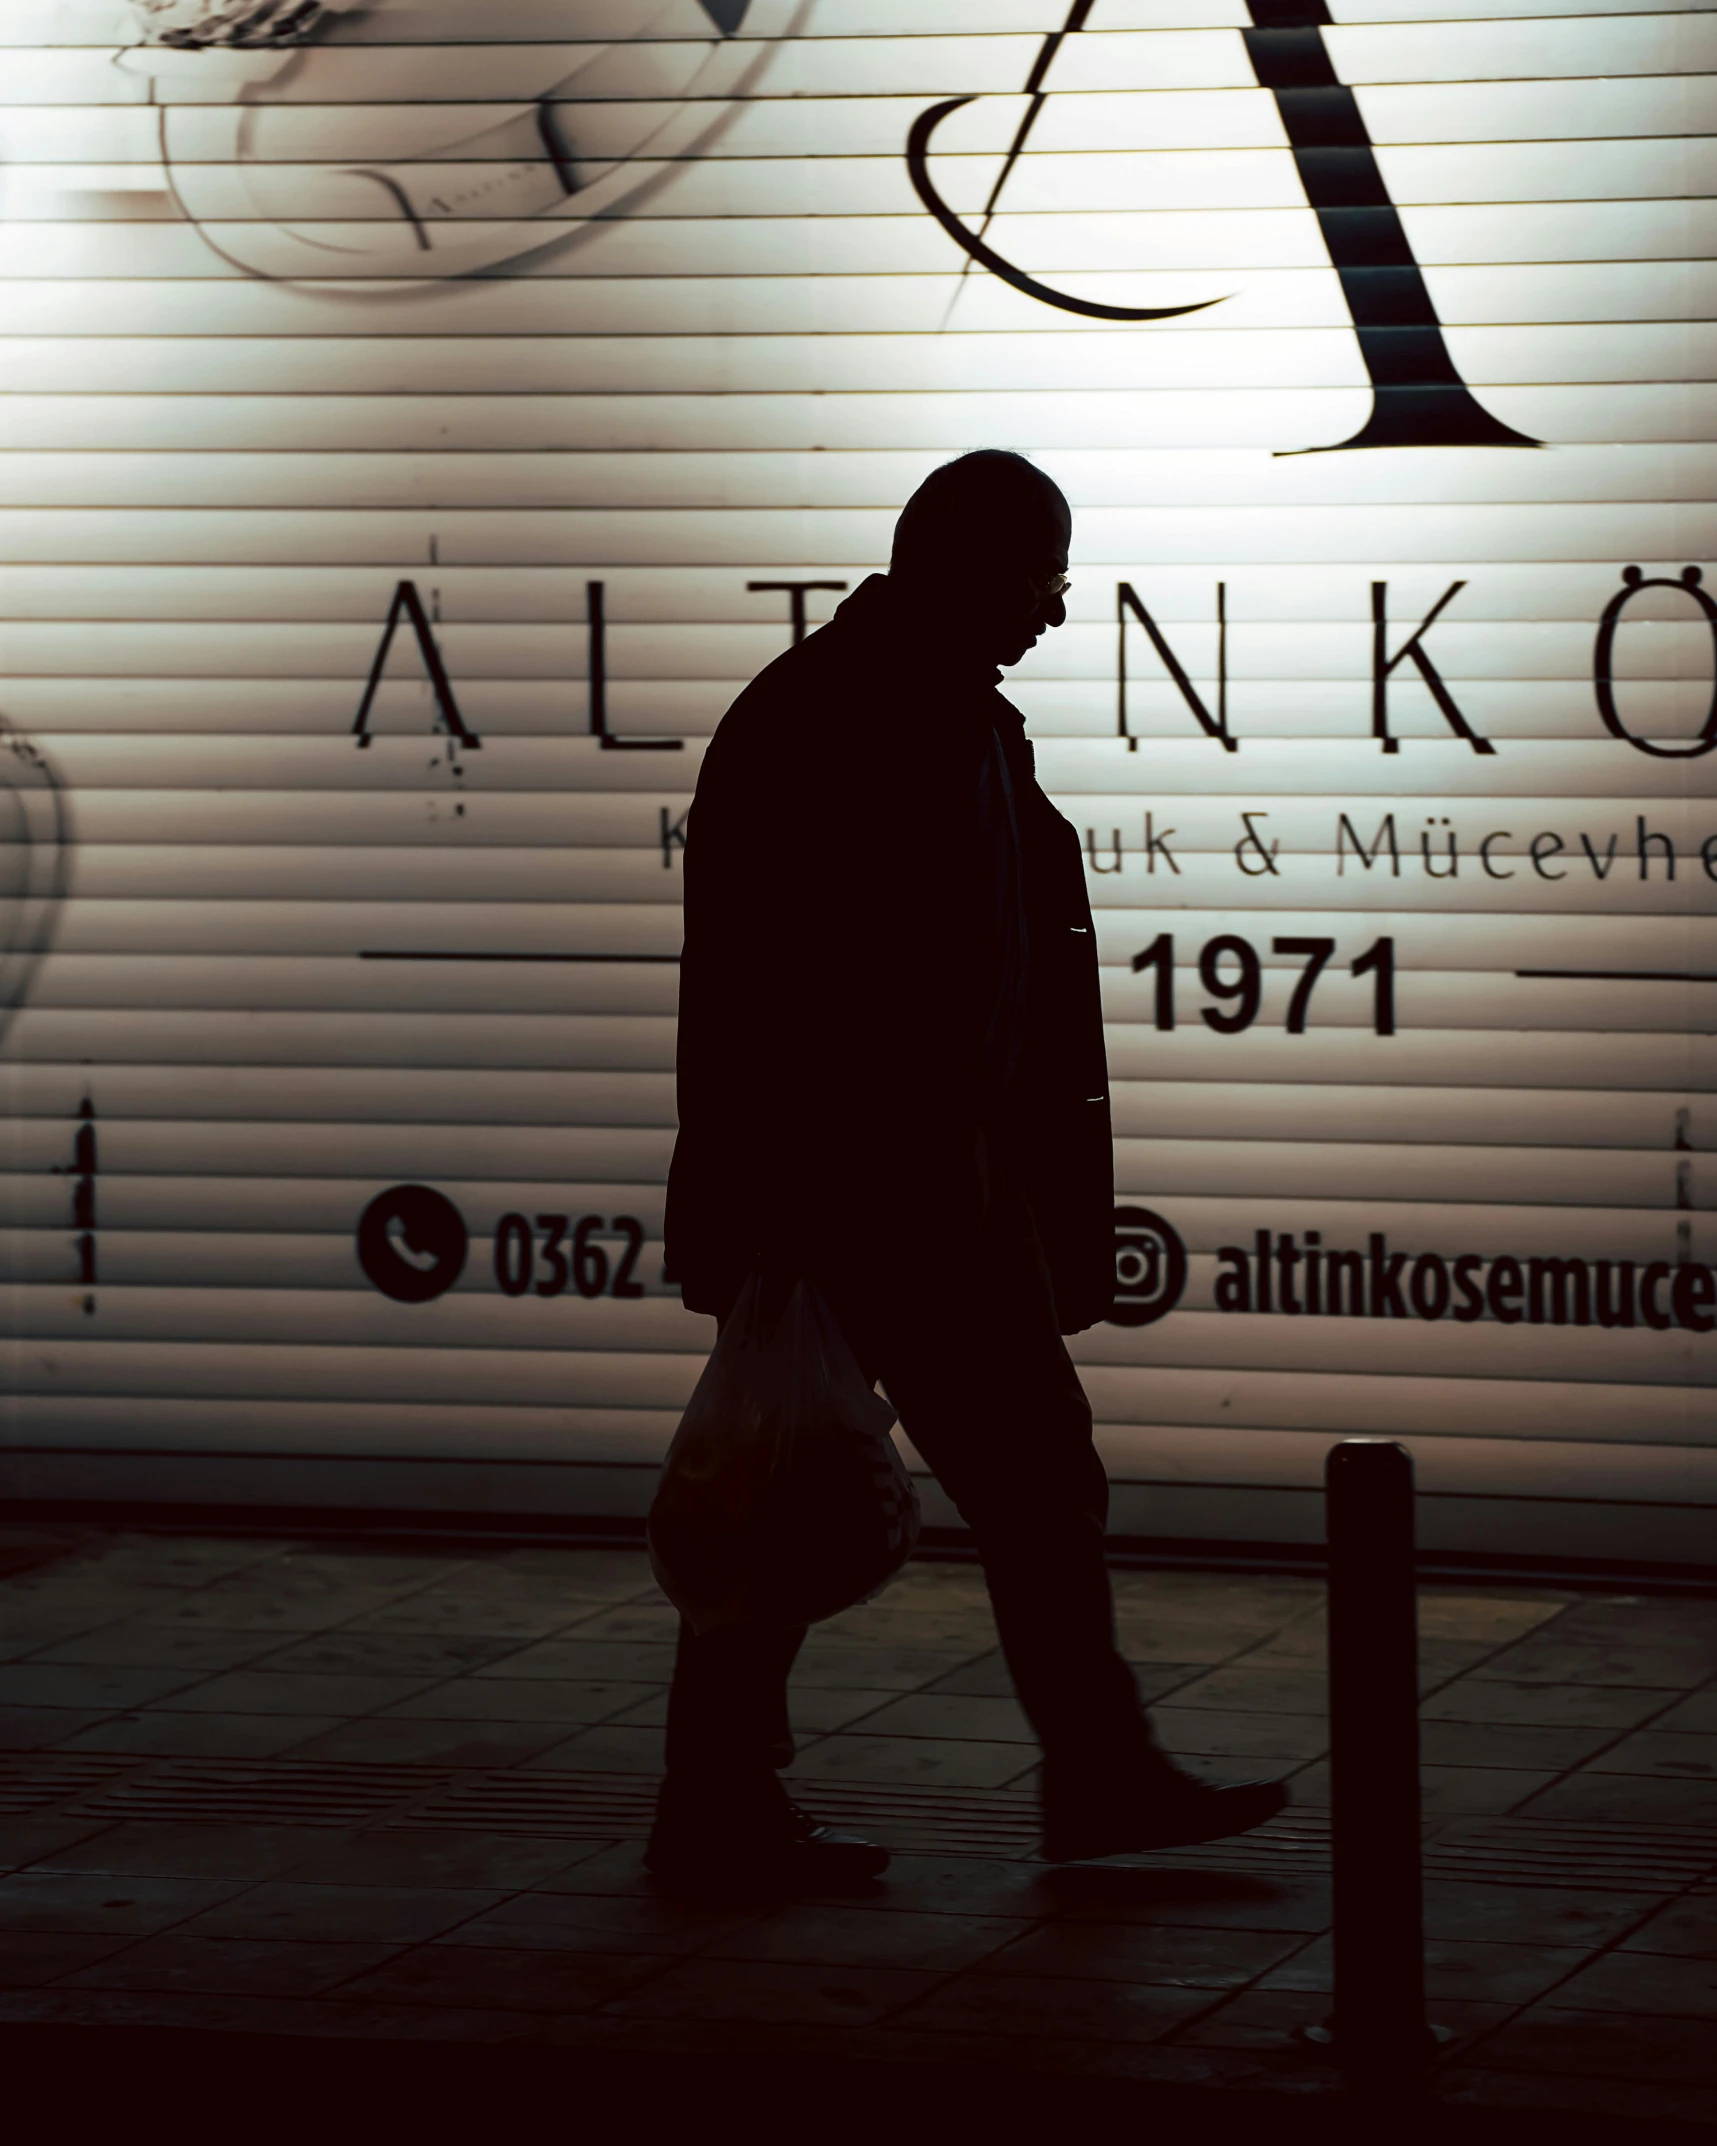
783, 1499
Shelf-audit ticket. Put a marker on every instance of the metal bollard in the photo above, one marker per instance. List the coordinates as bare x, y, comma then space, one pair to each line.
1379, 2016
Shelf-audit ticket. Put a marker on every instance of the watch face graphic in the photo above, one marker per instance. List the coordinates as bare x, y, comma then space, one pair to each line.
270, 150
35, 865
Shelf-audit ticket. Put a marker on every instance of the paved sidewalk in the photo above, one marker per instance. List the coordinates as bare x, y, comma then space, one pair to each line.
278, 1787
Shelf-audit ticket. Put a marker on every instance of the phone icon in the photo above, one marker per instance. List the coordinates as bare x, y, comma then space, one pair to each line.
412, 1242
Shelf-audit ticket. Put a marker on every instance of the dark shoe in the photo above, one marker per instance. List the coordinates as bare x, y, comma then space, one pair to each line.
1176, 1814
803, 1857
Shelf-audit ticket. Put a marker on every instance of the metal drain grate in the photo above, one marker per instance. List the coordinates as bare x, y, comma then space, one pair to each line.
1548, 1851
279, 1792
35, 1781
582, 1806
1000, 1823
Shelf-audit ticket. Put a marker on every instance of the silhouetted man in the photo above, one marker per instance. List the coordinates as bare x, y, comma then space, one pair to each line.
891, 1073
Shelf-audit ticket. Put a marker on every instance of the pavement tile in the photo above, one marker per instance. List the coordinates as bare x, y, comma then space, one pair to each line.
227, 1736
283, 2017
27, 1840
1551, 1659
945, 1630
772, 1991
164, 1560
1254, 1597
1444, 1791
1267, 1689
189, 1851
268, 1691
545, 1920
438, 1612
380, 1742
958, 1885
42, 1728
102, 1687
1179, 1956
1509, 1702
814, 1710
496, 1861
1464, 1967
1655, 1984
1273, 2019
1218, 1733
950, 1714
272, 1600
1688, 1926
518, 1980
1201, 1645
29, 1958
398, 1913
1640, 2101
98, 1901
1697, 1716
389, 1654
1460, 1909
1010, 2005
25, 1633
269, 1967
582, 1661
520, 1699
609, 1748
585, 1574
1529, 1745
890, 1667
1665, 1620
913, 1760
615, 1868
1661, 1751
1616, 1797
160, 1646
654, 1622
1573, 2044
1162, 1894
827, 1934
986, 1677
1493, 1618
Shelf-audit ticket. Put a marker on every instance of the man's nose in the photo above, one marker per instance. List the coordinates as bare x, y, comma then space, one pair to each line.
1055, 612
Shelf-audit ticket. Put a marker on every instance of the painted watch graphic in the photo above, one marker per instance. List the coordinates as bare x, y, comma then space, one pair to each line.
245, 89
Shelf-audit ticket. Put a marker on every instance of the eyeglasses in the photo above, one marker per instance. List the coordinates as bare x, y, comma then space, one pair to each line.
1056, 585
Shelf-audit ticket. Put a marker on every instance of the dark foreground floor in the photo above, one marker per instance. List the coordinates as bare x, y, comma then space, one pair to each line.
389, 1803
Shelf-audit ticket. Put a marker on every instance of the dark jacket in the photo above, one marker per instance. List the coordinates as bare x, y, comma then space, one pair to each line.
889, 987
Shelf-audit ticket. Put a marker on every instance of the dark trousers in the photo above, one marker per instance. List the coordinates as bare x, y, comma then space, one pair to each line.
988, 1394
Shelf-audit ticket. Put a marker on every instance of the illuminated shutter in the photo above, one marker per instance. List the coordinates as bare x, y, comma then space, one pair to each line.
589, 382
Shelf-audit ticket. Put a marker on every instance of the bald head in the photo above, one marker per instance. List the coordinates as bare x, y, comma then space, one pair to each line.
983, 538
990, 507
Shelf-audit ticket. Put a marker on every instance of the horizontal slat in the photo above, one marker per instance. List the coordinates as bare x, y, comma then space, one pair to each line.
1267, 604
943, 58
49, 23
1675, 1060
1427, 941
309, 407
831, 482
1206, 1221
407, 1370
45, 243
791, 539
690, 709
1236, 1110
1424, 999
1583, 774
1273, 299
